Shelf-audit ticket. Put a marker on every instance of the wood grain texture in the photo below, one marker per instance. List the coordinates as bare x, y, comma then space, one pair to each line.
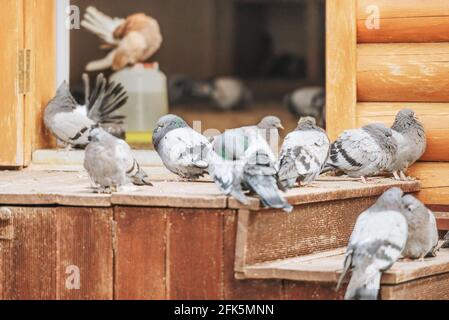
140, 260
434, 116
40, 35
413, 72
194, 254
341, 64
434, 177
294, 290
404, 21
12, 109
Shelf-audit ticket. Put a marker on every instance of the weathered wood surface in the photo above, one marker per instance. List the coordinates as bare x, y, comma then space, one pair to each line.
341, 65
415, 72
403, 21
47, 245
434, 177
434, 116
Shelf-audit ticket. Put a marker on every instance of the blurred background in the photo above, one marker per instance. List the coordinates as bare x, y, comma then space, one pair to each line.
269, 47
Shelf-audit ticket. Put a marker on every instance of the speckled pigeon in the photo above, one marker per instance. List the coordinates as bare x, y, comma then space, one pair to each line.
422, 229
410, 136
110, 163
446, 241
376, 243
182, 150
303, 154
363, 152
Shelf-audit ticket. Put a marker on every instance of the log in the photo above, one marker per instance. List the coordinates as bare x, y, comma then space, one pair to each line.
402, 21
434, 116
415, 72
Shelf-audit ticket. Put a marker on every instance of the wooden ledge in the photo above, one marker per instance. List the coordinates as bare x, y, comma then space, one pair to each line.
327, 267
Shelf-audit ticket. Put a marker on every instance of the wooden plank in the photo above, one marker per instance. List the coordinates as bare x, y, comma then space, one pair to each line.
28, 262
434, 116
413, 72
341, 64
195, 254
403, 21
242, 289
431, 174
40, 32
11, 112
294, 290
84, 245
140, 266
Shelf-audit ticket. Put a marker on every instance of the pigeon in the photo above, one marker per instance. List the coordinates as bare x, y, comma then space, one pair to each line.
233, 143
255, 170
308, 102
182, 150
363, 152
225, 92
376, 243
422, 229
410, 136
303, 155
446, 241
71, 123
110, 163
132, 40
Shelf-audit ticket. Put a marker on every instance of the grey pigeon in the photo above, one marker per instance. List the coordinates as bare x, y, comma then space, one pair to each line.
363, 152
308, 102
304, 154
376, 243
410, 136
182, 150
233, 143
110, 163
255, 170
71, 122
422, 229
446, 241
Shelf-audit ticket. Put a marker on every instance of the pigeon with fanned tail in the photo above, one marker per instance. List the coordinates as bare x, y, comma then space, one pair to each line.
71, 122
422, 229
182, 150
410, 136
110, 163
377, 241
364, 152
303, 155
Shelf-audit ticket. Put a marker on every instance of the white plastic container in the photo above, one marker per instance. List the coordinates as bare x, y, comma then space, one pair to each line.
148, 100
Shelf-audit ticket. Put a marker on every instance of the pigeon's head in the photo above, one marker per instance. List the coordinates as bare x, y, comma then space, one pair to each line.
306, 123
391, 199
270, 122
96, 134
412, 205
405, 119
166, 124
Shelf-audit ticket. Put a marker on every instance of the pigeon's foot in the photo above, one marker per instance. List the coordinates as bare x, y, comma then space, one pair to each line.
396, 176
404, 177
364, 180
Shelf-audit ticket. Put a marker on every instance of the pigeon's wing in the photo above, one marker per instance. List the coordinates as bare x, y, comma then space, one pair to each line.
353, 150
132, 168
72, 127
232, 144
433, 233
102, 25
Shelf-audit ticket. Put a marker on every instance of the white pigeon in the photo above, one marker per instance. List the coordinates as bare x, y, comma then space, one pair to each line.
71, 122
422, 229
368, 151
182, 150
410, 136
132, 40
377, 241
110, 163
304, 154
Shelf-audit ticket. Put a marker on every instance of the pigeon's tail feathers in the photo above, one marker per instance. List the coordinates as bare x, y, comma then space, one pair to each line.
265, 187
346, 266
364, 285
138, 176
286, 175
104, 100
101, 25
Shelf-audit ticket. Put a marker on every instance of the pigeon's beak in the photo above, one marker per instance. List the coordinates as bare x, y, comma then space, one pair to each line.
280, 126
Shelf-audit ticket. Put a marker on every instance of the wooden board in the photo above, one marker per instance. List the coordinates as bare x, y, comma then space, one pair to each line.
341, 55
434, 116
195, 254
403, 21
435, 182
414, 72
11, 111
140, 260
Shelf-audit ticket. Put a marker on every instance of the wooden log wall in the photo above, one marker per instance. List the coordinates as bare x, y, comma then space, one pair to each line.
401, 59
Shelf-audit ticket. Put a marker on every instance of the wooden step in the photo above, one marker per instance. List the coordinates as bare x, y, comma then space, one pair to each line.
405, 280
